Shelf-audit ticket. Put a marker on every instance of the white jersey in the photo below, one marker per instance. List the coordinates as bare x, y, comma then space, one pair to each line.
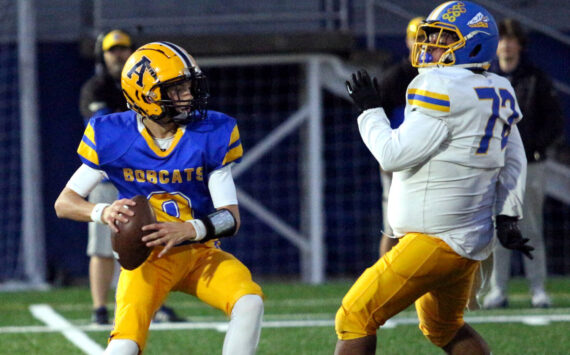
448, 157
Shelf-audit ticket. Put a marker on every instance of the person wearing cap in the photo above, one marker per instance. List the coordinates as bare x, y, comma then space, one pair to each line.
101, 95
541, 127
393, 85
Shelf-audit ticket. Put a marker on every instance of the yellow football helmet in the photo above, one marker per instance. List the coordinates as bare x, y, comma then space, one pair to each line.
413, 27
151, 70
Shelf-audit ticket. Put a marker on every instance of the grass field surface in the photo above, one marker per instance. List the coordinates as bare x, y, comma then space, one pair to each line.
298, 320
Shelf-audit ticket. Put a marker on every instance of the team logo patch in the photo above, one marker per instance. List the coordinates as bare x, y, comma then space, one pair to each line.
454, 12
140, 68
479, 20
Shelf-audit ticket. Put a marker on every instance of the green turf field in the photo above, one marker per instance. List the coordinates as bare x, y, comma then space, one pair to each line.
298, 320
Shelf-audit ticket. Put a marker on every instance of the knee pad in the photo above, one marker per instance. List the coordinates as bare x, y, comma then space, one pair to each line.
248, 305
349, 325
440, 334
122, 347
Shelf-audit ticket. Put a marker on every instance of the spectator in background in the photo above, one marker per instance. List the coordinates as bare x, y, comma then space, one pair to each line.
541, 125
102, 95
393, 93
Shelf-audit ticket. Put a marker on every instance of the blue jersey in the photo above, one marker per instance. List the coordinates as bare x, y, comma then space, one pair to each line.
175, 180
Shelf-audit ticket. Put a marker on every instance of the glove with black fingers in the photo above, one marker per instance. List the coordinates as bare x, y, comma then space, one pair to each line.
364, 91
510, 235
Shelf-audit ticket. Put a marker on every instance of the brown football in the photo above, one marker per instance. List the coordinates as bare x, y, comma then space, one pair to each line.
127, 243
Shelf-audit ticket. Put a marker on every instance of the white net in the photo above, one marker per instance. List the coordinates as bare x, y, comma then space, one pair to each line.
263, 97
10, 187
22, 254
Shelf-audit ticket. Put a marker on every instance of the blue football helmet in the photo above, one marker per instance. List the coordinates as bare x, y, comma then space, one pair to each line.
474, 32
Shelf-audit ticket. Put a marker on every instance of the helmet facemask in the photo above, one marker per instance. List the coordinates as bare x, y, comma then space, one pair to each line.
181, 110
436, 36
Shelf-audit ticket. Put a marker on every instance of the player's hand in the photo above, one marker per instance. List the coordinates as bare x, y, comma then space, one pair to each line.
510, 235
116, 212
364, 91
168, 234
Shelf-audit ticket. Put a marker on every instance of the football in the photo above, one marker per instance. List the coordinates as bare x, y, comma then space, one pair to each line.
127, 243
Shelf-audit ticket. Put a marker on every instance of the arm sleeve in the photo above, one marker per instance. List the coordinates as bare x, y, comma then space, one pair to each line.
84, 180
412, 143
222, 187
512, 178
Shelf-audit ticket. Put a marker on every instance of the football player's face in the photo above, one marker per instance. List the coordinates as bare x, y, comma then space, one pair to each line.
180, 92
445, 38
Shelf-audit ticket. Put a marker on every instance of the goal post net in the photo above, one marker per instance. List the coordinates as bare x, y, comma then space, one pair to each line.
308, 189
22, 252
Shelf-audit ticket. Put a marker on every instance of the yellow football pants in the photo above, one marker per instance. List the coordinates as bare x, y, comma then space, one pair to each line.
214, 276
420, 269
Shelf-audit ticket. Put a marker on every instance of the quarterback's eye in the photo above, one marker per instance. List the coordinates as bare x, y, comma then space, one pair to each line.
179, 90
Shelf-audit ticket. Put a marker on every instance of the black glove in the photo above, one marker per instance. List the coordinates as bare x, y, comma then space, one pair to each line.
510, 235
363, 91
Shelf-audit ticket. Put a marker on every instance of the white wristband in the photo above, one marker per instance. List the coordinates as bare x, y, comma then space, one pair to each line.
199, 227
97, 212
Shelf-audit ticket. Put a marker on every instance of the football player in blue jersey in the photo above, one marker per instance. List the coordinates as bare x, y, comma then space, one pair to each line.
171, 149
457, 161
102, 95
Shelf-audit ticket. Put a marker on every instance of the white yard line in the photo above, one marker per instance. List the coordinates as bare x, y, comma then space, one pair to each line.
57, 323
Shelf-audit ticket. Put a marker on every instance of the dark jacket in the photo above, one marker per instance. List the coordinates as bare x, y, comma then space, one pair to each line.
393, 87
542, 119
101, 95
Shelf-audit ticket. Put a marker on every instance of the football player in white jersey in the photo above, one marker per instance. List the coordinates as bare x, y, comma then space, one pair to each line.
458, 160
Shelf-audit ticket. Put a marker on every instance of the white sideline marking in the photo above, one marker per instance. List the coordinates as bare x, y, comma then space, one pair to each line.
536, 320
57, 323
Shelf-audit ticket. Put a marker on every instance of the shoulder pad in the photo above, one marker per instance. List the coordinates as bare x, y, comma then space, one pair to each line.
428, 93
224, 142
107, 137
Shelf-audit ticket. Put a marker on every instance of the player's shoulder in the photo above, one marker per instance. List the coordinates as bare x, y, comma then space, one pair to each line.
496, 79
214, 122
114, 130
442, 77
119, 122
429, 91
219, 118
107, 137
221, 134
432, 79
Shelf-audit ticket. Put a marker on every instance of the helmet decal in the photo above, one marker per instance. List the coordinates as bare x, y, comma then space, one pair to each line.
454, 12
479, 20
142, 66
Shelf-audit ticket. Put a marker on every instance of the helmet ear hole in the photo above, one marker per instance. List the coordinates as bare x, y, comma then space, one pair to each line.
475, 51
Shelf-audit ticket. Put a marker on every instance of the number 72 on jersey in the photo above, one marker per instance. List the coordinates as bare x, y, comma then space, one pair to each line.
500, 99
